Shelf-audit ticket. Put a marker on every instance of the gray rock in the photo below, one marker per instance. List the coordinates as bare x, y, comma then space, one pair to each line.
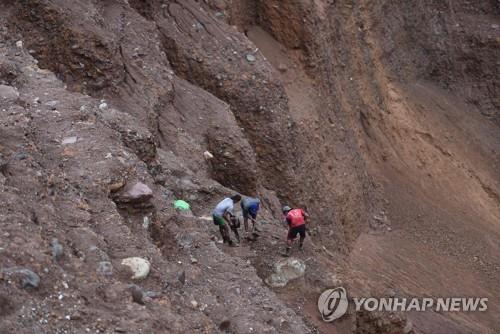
105, 268
285, 271
134, 194
250, 58
152, 294
182, 277
137, 294
57, 249
28, 278
52, 104
8, 93
21, 156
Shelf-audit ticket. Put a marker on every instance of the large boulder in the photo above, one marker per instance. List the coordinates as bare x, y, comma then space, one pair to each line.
285, 271
134, 195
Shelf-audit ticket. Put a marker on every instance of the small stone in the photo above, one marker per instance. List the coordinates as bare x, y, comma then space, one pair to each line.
140, 267
19, 44
194, 303
28, 278
57, 249
182, 277
105, 268
146, 222
69, 140
193, 260
103, 106
21, 156
152, 294
282, 67
52, 104
250, 58
137, 294
207, 155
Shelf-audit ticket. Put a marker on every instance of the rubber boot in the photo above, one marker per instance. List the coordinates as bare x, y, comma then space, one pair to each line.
287, 252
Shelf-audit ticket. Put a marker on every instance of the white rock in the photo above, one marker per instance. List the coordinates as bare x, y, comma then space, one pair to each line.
69, 140
207, 155
139, 266
19, 44
103, 106
52, 103
250, 58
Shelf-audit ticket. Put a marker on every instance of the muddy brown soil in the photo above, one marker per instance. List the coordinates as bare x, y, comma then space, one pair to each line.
380, 118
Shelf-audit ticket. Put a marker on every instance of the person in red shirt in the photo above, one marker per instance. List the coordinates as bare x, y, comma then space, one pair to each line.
296, 221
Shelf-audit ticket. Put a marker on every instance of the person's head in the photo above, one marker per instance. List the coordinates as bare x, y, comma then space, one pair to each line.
286, 209
236, 198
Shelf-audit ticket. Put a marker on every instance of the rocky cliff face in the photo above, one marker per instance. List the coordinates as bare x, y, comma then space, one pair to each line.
380, 117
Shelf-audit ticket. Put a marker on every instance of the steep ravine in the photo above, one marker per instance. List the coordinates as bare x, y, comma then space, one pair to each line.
383, 124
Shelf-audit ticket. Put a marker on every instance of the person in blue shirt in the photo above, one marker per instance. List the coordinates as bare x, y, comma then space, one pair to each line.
250, 208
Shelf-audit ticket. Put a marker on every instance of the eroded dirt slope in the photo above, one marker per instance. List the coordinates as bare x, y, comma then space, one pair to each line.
380, 117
